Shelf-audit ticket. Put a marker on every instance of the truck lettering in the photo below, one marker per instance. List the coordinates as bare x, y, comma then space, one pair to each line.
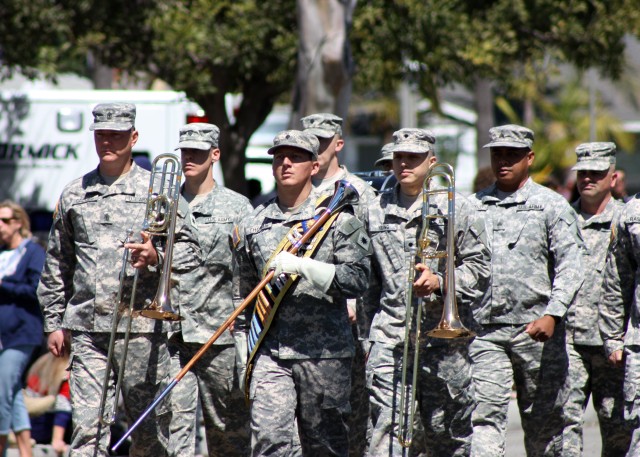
16, 150
39, 153
60, 151
72, 151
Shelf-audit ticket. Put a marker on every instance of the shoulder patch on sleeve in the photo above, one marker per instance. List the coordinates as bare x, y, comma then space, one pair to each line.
235, 236
350, 226
364, 241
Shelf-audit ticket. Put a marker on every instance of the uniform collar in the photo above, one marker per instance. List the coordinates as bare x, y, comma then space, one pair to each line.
518, 197
94, 184
605, 217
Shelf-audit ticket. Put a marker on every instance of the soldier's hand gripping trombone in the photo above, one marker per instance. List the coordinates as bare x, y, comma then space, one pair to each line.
344, 194
450, 325
159, 220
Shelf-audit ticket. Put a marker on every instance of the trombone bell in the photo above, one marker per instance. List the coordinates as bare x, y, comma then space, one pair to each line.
450, 329
161, 309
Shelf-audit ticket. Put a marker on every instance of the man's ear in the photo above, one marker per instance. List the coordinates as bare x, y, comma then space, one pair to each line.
530, 156
339, 144
215, 154
315, 168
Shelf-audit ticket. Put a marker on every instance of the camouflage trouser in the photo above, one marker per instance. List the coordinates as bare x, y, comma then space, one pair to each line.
445, 400
359, 401
213, 379
632, 397
502, 355
591, 374
146, 375
313, 391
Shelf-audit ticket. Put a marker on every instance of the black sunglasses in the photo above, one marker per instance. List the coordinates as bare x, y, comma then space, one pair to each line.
5, 220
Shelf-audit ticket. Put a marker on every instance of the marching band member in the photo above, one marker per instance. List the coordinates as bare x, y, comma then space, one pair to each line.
205, 298
327, 128
590, 373
445, 393
619, 313
80, 283
535, 272
300, 356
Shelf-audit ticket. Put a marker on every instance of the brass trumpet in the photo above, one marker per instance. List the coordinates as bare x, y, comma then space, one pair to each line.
450, 325
159, 220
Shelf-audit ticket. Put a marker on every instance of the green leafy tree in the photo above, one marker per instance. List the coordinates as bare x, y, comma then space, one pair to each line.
212, 48
562, 122
207, 49
434, 42
514, 44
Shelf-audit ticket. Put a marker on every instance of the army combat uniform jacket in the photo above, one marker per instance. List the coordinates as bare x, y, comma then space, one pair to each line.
81, 277
308, 323
582, 317
619, 310
536, 259
394, 234
206, 293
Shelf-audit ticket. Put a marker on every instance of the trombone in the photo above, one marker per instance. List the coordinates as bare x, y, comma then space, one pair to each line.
450, 325
159, 220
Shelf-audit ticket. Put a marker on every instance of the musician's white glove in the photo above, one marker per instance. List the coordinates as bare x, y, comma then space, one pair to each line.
320, 274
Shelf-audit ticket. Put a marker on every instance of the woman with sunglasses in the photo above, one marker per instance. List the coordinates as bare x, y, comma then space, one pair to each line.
21, 328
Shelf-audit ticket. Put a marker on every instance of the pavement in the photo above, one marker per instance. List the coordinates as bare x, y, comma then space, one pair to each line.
592, 444
514, 443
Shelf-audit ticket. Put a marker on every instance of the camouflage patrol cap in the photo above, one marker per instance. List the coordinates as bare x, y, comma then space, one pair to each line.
595, 156
296, 139
323, 125
387, 155
199, 135
114, 116
417, 141
510, 136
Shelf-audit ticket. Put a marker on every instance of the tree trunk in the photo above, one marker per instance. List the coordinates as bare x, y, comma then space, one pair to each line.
101, 75
325, 64
485, 120
257, 103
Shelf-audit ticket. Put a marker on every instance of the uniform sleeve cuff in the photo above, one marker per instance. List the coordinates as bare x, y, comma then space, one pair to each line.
611, 346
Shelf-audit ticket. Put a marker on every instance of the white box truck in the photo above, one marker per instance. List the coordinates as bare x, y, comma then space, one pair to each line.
45, 140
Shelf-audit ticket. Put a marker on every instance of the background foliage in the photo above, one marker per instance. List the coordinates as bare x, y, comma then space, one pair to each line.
211, 48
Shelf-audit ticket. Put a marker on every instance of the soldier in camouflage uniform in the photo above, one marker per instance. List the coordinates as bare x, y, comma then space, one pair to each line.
445, 394
386, 158
328, 129
205, 299
590, 373
620, 314
302, 368
536, 272
80, 282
